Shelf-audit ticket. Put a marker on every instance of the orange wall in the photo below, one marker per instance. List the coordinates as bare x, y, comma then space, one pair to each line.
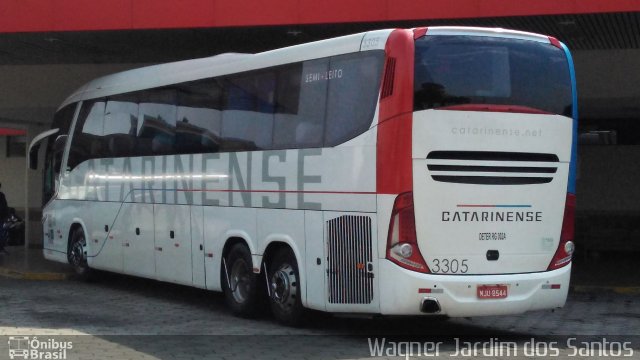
78, 15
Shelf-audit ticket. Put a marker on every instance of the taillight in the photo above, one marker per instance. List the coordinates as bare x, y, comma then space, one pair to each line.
566, 247
402, 243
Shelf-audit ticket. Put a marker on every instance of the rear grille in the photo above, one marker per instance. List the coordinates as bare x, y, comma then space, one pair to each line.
492, 167
350, 256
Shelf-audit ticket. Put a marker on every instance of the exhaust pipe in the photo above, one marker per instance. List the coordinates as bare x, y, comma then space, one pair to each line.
430, 305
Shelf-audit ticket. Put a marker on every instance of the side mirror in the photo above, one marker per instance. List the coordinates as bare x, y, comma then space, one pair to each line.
33, 156
35, 146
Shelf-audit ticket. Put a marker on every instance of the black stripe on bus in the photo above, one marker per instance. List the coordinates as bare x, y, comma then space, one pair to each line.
492, 156
506, 169
491, 180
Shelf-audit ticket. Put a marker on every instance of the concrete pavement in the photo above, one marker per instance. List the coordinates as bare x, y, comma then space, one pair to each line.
120, 317
123, 317
30, 264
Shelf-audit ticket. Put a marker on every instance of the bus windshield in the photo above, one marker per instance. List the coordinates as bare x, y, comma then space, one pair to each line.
458, 70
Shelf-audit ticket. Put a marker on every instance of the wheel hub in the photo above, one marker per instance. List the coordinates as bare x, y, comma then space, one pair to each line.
239, 281
284, 286
77, 254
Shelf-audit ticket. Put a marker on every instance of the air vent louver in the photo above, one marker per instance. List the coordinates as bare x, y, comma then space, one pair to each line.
350, 257
389, 75
491, 167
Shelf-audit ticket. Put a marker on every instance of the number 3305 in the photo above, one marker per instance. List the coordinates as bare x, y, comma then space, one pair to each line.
450, 266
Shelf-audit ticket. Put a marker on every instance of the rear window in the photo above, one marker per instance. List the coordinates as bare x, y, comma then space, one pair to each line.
457, 70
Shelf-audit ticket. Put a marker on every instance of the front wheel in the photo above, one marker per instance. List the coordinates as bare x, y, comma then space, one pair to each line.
285, 289
77, 256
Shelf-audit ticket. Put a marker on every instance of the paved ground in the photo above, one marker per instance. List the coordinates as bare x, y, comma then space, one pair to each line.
129, 318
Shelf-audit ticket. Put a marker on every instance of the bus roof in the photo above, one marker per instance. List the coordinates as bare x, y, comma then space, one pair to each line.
229, 63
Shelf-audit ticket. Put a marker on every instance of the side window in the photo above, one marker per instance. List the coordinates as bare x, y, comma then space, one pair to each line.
55, 150
352, 95
301, 99
199, 117
247, 118
87, 142
157, 121
120, 125
61, 120
322, 102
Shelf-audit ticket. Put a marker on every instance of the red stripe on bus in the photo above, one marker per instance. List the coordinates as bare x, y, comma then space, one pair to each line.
281, 191
393, 168
495, 108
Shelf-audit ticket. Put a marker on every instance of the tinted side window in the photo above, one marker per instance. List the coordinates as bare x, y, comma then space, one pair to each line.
62, 119
55, 150
247, 117
354, 84
120, 126
56, 143
88, 142
322, 102
302, 95
199, 117
157, 121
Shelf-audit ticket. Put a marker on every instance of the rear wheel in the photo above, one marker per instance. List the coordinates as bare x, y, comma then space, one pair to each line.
240, 283
77, 256
285, 289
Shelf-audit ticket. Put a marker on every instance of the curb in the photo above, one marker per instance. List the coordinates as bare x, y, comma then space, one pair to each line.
622, 290
25, 275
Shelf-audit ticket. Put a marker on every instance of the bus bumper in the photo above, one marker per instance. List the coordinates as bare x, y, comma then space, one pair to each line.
402, 292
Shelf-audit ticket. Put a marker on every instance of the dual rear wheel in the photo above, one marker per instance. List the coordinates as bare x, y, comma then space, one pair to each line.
245, 290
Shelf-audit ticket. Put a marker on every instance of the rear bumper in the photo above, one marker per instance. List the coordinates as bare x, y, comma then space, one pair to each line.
457, 294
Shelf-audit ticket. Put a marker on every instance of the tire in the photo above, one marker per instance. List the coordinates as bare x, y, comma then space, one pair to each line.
241, 290
76, 255
284, 288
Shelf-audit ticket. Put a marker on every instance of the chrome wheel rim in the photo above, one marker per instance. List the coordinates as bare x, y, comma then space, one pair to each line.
77, 254
284, 287
239, 283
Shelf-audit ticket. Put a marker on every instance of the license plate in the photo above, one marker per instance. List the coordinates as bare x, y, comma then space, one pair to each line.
492, 291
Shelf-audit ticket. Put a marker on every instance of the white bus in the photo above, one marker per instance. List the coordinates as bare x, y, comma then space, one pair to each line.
401, 172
